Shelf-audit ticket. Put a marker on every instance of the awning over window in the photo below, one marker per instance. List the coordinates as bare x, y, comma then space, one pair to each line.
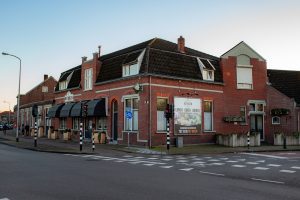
66, 109
54, 111
96, 108
76, 110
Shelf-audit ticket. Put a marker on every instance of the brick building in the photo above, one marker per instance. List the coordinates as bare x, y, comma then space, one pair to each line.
42, 95
127, 91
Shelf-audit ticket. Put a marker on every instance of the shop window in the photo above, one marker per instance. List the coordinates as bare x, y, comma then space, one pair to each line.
243, 114
131, 113
244, 73
161, 119
208, 116
88, 79
101, 123
62, 123
275, 120
76, 123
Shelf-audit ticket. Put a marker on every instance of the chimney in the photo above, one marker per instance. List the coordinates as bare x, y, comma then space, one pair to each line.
181, 45
95, 55
83, 59
45, 77
99, 51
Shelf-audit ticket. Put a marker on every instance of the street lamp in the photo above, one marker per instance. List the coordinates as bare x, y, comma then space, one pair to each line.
18, 102
8, 111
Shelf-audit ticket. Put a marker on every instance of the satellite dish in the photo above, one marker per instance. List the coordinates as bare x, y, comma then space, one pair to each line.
137, 87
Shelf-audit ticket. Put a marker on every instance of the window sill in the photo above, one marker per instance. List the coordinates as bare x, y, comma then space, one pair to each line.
161, 132
130, 131
210, 131
86, 90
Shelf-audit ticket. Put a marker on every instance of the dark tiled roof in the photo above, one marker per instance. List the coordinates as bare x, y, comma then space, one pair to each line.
164, 59
75, 78
287, 82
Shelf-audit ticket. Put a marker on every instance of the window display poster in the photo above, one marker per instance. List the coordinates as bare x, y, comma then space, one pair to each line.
187, 116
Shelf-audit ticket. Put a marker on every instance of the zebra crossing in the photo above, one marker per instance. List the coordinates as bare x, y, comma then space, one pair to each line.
194, 163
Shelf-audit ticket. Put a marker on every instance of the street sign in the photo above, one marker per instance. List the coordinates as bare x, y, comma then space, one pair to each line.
128, 114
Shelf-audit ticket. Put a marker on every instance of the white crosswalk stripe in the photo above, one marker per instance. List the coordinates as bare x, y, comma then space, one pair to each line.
231, 161
252, 163
186, 169
261, 168
287, 171
166, 167
273, 165
240, 166
149, 164
295, 167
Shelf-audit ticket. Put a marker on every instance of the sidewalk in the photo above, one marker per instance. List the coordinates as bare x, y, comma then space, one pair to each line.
72, 147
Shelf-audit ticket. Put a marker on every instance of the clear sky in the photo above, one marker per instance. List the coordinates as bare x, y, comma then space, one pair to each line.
51, 36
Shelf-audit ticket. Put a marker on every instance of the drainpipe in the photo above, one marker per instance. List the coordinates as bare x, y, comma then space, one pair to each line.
150, 115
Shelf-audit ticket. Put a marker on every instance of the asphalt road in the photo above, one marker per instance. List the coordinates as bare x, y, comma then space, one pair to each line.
34, 175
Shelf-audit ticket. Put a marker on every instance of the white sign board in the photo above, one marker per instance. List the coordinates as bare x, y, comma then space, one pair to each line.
187, 116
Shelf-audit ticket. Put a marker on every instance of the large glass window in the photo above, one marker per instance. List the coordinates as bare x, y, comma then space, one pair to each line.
129, 70
161, 119
62, 85
131, 114
76, 123
88, 79
101, 123
208, 116
62, 123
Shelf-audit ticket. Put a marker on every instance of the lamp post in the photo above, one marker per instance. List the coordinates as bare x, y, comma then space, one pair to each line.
8, 111
18, 101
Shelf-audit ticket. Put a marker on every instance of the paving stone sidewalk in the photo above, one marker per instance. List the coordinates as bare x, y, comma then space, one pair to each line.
60, 146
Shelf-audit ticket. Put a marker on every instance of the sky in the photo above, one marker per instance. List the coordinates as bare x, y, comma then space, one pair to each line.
51, 36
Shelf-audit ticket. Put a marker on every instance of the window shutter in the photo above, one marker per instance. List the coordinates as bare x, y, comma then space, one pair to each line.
244, 75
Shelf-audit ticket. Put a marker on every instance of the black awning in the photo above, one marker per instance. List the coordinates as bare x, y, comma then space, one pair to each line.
76, 110
54, 111
66, 109
96, 108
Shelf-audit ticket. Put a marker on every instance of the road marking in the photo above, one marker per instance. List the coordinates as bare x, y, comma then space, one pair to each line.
119, 161
273, 165
252, 163
149, 164
181, 161
211, 173
166, 167
261, 161
166, 159
223, 158
4, 199
207, 157
186, 169
218, 164
135, 162
139, 157
238, 166
265, 155
287, 171
152, 158
109, 159
295, 167
269, 181
241, 159
213, 160
287, 153
261, 168
232, 161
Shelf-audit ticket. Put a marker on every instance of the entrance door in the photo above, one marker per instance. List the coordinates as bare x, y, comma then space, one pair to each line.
115, 121
257, 125
88, 128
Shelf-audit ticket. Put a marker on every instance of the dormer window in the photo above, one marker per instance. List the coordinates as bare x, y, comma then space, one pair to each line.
64, 81
207, 69
129, 70
63, 85
132, 63
244, 73
88, 79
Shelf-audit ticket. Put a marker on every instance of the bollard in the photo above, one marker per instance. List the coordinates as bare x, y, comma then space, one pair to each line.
248, 140
80, 139
35, 133
284, 142
93, 141
168, 134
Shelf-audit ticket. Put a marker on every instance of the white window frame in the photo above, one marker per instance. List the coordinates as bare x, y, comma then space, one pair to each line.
276, 117
62, 123
245, 115
165, 120
44, 89
131, 121
76, 123
63, 85
211, 117
88, 79
243, 62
